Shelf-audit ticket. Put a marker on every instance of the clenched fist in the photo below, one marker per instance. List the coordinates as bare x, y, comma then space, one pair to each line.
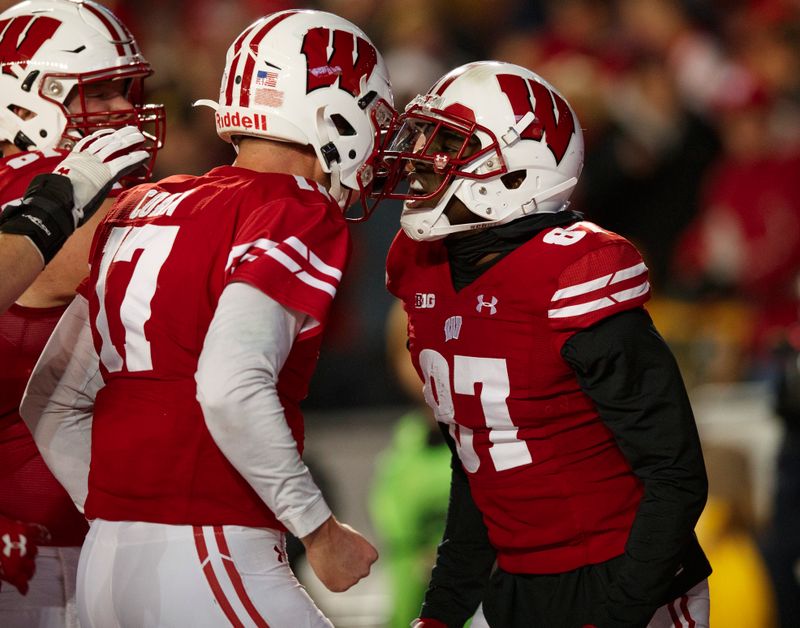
339, 555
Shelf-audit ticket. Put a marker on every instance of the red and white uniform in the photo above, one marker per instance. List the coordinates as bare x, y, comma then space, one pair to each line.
28, 490
153, 459
18, 170
555, 491
206, 305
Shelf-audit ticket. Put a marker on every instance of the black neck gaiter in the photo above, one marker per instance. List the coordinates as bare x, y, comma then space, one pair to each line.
464, 253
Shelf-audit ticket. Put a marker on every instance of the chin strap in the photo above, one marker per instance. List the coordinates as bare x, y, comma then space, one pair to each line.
342, 195
532, 205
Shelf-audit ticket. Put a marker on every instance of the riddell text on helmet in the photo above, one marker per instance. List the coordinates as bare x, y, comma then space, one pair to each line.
243, 121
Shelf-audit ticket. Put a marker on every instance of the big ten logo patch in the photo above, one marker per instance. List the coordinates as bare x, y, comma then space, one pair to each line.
424, 300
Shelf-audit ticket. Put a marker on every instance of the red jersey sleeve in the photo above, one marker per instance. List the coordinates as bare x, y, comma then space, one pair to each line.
294, 252
599, 284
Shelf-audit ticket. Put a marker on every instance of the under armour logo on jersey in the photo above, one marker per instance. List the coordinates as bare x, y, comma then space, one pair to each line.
8, 545
424, 300
452, 328
492, 305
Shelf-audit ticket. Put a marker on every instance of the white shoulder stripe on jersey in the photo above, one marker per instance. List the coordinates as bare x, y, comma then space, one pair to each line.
239, 254
284, 259
317, 283
599, 304
316, 262
600, 282
240, 249
581, 288
303, 183
581, 308
627, 295
627, 273
281, 257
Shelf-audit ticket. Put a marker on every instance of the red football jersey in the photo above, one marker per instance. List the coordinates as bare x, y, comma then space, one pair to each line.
17, 171
160, 261
28, 491
555, 491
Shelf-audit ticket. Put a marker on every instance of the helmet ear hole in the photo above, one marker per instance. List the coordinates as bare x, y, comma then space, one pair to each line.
512, 180
343, 127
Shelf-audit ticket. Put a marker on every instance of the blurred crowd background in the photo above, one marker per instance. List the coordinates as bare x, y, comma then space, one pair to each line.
691, 114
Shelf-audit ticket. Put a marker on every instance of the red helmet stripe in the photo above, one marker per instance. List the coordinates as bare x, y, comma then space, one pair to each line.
444, 85
134, 47
448, 80
244, 97
237, 45
117, 36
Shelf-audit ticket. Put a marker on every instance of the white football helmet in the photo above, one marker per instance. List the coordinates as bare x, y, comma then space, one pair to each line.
51, 51
497, 136
315, 79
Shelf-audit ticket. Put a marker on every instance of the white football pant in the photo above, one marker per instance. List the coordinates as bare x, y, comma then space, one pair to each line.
50, 602
688, 611
141, 575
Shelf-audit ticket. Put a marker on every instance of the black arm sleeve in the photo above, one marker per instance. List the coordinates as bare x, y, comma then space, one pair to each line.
629, 372
464, 558
44, 215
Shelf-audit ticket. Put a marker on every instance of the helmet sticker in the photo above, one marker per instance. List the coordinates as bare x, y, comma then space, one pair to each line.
323, 71
555, 133
22, 37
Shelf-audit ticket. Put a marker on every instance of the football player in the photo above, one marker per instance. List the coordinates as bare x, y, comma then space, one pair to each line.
66, 69
180, 369
576, 460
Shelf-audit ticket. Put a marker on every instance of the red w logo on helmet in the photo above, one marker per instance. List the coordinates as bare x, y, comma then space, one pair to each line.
555, 133
323, 71
19, 41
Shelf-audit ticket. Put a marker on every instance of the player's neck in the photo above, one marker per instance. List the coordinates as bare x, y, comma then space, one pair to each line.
289, 158
7, 149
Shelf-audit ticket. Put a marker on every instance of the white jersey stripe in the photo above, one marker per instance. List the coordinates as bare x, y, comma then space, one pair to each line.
240, 249
317, 283
627, 273
241, 253
284, 259
581, 288
632, 293
599, 304
316, 262
324, 191
303, 183
600, 282
581, 308
298, 271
